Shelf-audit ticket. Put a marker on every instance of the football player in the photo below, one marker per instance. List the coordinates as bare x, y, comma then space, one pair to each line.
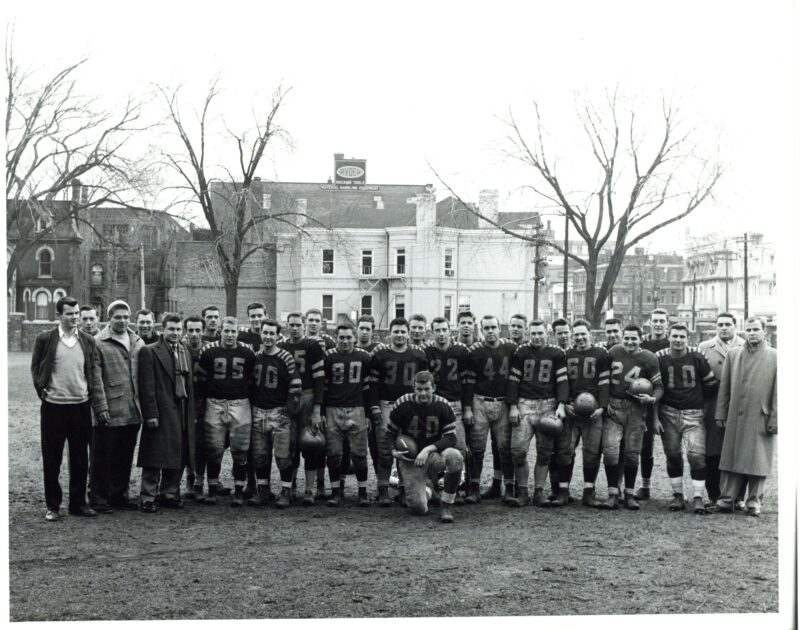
364, 329
516, 328
145, 321
588, 370
686, 376
276, 386
314, 329
193, 340
489, 367
309, 357
252, 337
210, 315
537, 387
466, 328
416, 330
89, 320
625, 416
347, 382
447, 360
655, 341
613, 330
225, 375
429, 420
561, 333
392, 371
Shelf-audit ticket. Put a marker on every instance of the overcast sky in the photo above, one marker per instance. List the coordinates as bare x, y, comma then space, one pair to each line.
429, 82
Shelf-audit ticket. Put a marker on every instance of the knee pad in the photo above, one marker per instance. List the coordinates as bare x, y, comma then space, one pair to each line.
631, 458
453, 460
518, 456
283, 463
543, 457
696, 460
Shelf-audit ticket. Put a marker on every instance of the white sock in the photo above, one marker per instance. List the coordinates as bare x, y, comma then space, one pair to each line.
697, 487
677, 485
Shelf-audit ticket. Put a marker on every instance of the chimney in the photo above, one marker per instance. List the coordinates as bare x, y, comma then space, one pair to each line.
84, 195
301, 207
426, 213
487, 205
76, 191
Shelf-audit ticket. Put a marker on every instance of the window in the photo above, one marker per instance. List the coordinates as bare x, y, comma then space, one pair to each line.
366, 305
401, 261
327, 307
464, 303
97, 275
366, 262
448, 308
266, 201
399, 305
449, 272
122, 273
116, 233
42, 306
148, 238
45, 264
327, 261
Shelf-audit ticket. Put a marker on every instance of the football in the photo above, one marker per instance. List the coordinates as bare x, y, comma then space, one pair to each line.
551, 425
585, 404
407, 443
311, 442
640, 386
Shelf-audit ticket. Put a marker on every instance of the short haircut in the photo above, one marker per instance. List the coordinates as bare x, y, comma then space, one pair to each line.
418, 317
537, 322
170, 317
611, 321
464, 314
228, 319
314, 311
727, 315
439, 320
659, 311
398, 321
253, 305
345, 326
581, 322
679, 326
756, 318
269, 322
65, 301
85, 308
367, 318
210, 307
194, 318
485, 317
423, 377
559, 322
145, 311
296, 314
632, 327
524, 318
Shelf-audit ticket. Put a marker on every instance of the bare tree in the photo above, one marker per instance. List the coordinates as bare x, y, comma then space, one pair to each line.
54, 138
643, 183
238, 223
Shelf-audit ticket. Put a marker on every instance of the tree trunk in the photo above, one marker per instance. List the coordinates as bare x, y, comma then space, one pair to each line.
589, 310
231, 293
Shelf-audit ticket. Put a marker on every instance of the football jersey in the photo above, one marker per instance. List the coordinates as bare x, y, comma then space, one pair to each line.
434, 423
207, 338
489, 369
449, 369
654, 345
309, 359
347, 378
685, 379
369, 347
589, 371
250, 338
326, 342
393, 372
275, 379
627, 367
538, 373
226, 373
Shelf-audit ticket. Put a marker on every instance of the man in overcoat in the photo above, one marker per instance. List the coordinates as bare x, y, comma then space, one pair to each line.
747, 406
166, 397
715, 350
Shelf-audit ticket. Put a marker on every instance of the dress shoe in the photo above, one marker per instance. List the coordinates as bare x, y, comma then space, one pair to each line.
149, 506
84, 510
52, 515
103, 508
642, 494
125, 504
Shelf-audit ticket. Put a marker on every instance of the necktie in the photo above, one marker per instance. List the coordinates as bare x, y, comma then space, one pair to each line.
180, 386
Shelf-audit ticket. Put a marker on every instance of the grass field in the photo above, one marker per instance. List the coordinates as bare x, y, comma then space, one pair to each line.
218, 562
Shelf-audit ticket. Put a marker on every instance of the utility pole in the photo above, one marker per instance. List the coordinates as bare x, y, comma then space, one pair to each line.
694, 297
726, 275
566, 263
536, 275
141, 274
746, 282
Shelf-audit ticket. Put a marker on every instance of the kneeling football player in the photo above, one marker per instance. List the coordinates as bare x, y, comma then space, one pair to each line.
429, 420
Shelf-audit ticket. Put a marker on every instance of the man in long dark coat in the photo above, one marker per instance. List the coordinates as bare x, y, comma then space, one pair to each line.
166, 396
747, 406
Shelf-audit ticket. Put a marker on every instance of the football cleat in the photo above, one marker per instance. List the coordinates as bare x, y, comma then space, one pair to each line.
642, 494
238, 497
611, 503
308, 498
495, 491
589, 500
445, 513
538, 497
562, 499
284, 499
522, 499
473, 494
678, 503
383, 497
698, 506
222, 491
363, 498
263, 497
335, 500
630, 502
211, 497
